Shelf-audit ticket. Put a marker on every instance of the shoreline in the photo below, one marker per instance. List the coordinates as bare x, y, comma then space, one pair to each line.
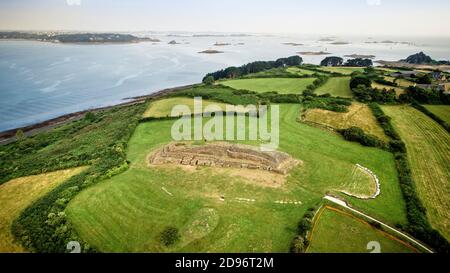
9, 136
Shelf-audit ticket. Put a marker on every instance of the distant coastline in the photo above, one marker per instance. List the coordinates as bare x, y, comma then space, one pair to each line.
75, 38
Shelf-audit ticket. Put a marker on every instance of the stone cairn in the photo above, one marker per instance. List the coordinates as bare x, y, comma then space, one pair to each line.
223, 155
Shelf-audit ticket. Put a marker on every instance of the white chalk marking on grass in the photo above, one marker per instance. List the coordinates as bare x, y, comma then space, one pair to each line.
288, 202
245, 200
164, 189
374, 177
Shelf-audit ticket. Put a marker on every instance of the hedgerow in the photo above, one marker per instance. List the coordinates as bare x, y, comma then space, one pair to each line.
431, 115
43, 226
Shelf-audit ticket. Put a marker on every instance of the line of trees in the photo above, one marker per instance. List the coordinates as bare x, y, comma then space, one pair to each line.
300, 243
254, 67
338, 61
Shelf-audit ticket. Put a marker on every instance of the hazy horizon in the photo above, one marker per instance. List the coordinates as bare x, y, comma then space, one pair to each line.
326, 17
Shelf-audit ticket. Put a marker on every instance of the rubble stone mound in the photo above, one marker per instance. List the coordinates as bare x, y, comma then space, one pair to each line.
223, 155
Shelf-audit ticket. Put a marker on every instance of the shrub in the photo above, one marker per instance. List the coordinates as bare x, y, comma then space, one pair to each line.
170, 236
360, 80
357, 134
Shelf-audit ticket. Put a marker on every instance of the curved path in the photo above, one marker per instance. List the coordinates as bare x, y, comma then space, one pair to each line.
345, 205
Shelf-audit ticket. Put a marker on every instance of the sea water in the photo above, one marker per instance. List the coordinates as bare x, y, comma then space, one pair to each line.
40, 81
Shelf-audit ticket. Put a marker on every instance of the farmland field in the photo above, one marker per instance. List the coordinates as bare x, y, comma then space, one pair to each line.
17, 194
163, 108
398, 90
280, 85
428, 146
442, 111
302, 71
354, 235
144, 208
358, 115
338, 86
342, 70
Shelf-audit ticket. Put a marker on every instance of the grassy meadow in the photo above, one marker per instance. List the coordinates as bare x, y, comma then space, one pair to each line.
19, 193
358, 114
338, 86
342, 70
280, 85
143, 209
163, 108
428, 146
442, 111
354, 235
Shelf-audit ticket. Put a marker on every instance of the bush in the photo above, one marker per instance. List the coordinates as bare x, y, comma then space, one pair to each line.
357, 134
208, 80
170, 236
299, 245
358, 80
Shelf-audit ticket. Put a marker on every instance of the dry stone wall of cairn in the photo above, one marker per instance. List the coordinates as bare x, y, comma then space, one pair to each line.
223, 155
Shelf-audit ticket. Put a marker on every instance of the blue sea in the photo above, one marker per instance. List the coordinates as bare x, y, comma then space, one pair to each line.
40, 81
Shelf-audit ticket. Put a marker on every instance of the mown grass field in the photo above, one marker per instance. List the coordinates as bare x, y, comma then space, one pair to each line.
302, 72
335, 231
142, 209
163, 108
442, 111
428, 146
280, 85
342, 70
17, 194
338, 87
358, 114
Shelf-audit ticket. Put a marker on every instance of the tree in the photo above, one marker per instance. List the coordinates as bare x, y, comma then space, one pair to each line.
360, 80
299, 245
358, 62
170, 236
20, 135
424, 79
209, 80
332, 61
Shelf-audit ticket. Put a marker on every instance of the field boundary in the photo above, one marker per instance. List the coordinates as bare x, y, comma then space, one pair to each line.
344, 204
342, 212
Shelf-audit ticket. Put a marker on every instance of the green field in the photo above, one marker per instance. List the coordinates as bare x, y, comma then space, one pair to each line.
19, 193
342, 70
339, 87
428, 146
335, 231
280, 85
142, 209
442, 111
163, 108
302, 72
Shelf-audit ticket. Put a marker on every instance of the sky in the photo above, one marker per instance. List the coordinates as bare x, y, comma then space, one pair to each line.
333, 17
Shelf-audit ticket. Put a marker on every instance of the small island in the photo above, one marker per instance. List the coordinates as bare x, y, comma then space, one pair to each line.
360, 56
293, 44
313, 53
221, 44
173, 42
210, 51
340, 43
